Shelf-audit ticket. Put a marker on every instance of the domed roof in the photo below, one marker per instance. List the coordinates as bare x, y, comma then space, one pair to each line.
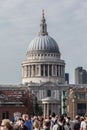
43, 42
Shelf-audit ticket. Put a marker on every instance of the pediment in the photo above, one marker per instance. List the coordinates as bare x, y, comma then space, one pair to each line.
50, 85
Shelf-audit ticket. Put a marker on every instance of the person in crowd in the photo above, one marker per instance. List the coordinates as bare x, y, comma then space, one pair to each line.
22, 126
61, 123
76, 124
40, 118
53, 120
81, 118
46, 124
6, 125
83, 125
67, 125
36, 125
28, 123
17, 123
55, 127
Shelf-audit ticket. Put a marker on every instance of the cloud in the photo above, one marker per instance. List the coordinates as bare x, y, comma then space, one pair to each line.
19, 24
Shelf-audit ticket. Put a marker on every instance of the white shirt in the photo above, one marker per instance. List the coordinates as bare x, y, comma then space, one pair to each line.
83, 125
55, 127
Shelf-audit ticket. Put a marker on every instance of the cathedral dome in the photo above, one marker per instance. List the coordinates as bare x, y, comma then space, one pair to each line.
43, 42
43, 59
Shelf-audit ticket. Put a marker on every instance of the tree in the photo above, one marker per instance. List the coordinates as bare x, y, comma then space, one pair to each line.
38, 109
27, 100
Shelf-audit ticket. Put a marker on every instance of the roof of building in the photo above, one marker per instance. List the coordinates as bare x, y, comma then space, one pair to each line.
43, 42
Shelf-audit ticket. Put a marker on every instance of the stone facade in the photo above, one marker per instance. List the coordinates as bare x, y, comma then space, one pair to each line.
77, 100
43, 61
49, 96
44, 70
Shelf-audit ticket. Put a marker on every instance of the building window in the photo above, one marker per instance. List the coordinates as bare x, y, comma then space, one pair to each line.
80, 95
81, 109
5, 115
48, 93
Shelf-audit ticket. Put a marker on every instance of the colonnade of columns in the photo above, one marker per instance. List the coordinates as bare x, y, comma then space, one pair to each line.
43, 70
48, 108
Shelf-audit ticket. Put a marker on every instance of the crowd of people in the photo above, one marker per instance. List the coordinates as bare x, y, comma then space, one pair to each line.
53, 122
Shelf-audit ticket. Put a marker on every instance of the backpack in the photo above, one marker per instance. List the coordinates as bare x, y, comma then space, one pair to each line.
53, 122
76, 126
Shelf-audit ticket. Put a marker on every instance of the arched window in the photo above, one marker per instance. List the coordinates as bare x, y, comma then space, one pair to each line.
48, 93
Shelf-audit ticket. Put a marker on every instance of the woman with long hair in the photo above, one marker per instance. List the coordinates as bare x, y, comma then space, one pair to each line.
6, 125
36, 125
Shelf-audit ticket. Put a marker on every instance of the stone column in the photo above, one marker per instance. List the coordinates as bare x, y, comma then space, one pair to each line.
22, 71
56, 69
59, 70
48, 70
39, 70
44, 70
58, 112
32, 70
51, 107
62, 71
47, 109
44, 110
56, 108
28, 71
52, 70
25, 71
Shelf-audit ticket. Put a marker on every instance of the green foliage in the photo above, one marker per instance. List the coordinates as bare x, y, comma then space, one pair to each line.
38, 109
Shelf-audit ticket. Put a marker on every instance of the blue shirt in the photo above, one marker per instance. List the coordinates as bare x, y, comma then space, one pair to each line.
29, 124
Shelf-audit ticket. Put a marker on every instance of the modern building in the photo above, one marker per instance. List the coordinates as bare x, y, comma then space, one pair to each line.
80, 76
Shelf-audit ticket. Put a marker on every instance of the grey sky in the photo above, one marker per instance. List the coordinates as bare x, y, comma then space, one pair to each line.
19, 24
